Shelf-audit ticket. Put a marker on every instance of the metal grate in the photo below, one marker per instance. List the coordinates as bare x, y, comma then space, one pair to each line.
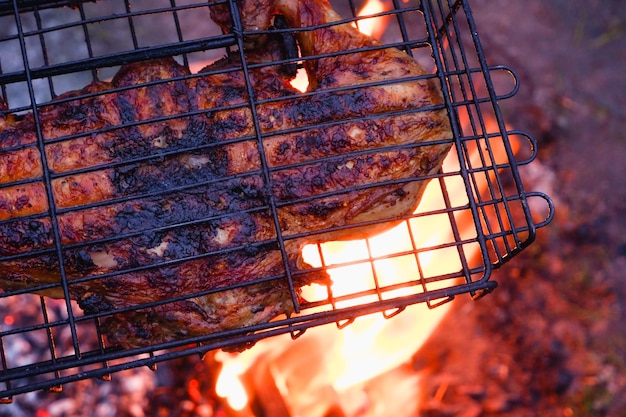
477, 201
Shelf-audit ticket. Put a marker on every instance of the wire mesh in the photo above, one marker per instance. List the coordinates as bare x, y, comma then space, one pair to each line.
473, 218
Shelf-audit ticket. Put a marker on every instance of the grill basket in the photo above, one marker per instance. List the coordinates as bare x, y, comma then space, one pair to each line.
476, 200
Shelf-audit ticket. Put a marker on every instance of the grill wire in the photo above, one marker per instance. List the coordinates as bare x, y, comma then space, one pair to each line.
36, 66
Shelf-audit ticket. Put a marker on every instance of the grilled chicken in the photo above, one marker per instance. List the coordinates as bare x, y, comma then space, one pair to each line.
181, 209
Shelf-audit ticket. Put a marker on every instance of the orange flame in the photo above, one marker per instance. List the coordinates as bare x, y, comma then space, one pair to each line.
229, 384
372, 344
366, 348
301, 82
373, 26
326, 364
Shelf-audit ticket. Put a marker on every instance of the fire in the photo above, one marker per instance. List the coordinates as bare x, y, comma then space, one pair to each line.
370, 346
346, 359
327, 364
301, 82
229, 385
373, 26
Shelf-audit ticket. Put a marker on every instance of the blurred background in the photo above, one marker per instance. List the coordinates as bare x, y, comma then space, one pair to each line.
551, 340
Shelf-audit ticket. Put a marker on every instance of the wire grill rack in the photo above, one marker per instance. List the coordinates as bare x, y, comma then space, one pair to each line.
474, 217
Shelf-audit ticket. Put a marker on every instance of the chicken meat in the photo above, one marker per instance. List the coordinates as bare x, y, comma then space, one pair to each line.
177, 205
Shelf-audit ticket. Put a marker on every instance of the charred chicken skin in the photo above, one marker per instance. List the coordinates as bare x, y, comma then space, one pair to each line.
182, 202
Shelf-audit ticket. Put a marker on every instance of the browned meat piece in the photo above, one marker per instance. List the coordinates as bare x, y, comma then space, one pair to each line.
160, 194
